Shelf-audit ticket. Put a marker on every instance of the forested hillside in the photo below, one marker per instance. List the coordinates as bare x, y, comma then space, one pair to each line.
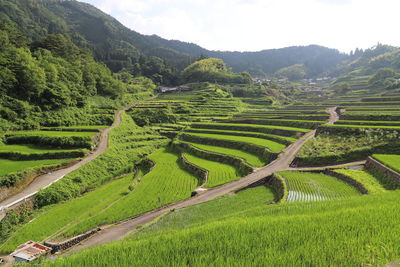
121, 48
53, 82
376, 69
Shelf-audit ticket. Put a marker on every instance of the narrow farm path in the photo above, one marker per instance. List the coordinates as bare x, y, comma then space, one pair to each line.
350, 164
44, 181
117, 231
333, 115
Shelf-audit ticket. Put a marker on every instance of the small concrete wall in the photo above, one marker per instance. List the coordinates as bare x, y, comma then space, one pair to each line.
388, 172
70, 242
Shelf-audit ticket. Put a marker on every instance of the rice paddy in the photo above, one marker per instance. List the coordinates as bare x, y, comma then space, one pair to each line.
307, 186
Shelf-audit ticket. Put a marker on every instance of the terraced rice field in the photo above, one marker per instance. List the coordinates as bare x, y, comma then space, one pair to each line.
271, 145
220, 208
10, 166
29, 148
218, 173
365, 126
392, 161
366, 179
166, 183
252, 159
238, 125
55, 133
79, 127
230, 132
306, 186
376, 123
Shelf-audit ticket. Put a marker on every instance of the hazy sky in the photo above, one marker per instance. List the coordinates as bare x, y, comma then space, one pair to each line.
251, 25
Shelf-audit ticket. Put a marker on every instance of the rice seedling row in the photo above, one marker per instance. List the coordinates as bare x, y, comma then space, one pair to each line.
366, 179
306, 186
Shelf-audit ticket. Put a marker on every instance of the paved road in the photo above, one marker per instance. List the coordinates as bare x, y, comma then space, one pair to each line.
118, 231
44, 181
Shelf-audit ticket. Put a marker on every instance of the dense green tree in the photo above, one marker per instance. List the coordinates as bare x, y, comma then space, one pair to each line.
293, 73
213, 70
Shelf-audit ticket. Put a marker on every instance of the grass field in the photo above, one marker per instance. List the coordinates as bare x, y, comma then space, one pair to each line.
366, 179
271, 145
307, 186
10, 166
218, 173
250, 158
392, 161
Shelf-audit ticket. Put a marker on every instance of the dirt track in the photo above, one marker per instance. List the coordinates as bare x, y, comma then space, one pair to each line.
46, 180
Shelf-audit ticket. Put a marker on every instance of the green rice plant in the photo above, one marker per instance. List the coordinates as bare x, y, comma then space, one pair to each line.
239, 126
230, 205
30, 148
271, 145
359, 231
11, 166
48, 221
277, 138
252, 159
218, 173
118, 159
365, 178
365, 126
166, 183
76, 128
55, 133
307, 186
392, 161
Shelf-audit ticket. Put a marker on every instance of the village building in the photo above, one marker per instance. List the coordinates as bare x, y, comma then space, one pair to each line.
174, 89
29, 251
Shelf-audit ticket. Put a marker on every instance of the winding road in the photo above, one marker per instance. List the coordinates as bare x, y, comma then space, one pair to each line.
44, 181
119, 230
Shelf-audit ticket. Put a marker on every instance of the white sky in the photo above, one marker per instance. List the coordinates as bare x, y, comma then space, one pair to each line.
252, 25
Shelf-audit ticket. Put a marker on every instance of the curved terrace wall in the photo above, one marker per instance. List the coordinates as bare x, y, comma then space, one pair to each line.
255, 149
243, 167
385, 170
254, 128
249, 134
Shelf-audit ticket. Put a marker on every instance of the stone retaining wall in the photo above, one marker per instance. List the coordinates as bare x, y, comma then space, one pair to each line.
194, 169
388, 172
278, 183
242, 165
261, 151
70, 242
347, 179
